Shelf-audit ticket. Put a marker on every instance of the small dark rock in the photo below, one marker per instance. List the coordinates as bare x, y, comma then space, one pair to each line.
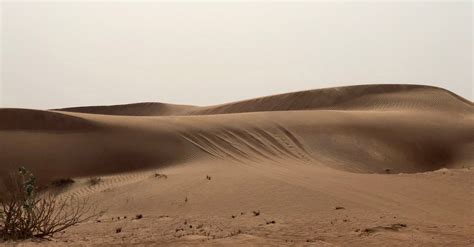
159, 175
397, 226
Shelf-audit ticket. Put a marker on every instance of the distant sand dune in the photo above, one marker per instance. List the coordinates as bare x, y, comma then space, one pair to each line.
365, 97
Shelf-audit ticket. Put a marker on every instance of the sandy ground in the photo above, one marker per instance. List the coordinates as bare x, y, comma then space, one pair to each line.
354, 166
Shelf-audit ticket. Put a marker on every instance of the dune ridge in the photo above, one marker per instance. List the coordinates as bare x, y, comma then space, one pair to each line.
137, 109
36, 120
360, 97
364, 97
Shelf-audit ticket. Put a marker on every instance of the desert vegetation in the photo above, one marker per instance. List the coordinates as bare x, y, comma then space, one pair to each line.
94, 180
62, 182
26, 212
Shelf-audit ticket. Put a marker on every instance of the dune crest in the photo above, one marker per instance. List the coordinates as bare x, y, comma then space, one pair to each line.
361, 97
36, 120
138, 109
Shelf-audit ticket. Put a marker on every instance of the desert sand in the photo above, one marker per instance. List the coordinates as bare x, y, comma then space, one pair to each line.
367, 165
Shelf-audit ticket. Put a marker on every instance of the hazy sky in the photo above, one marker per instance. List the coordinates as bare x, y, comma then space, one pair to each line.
90, 53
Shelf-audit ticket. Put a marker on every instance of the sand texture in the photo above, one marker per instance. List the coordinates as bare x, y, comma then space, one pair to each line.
368, 165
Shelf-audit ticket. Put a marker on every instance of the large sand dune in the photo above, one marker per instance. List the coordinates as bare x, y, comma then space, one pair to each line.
366, 97
376, 150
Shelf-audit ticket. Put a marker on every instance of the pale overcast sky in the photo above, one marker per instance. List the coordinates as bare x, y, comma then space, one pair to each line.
90, 53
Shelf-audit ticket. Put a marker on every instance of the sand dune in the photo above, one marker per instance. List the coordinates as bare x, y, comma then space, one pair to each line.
398, 127
294, 156
365, 97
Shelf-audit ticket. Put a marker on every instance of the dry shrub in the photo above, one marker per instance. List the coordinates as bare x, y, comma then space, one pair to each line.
26, 213
94, 180
62, 182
